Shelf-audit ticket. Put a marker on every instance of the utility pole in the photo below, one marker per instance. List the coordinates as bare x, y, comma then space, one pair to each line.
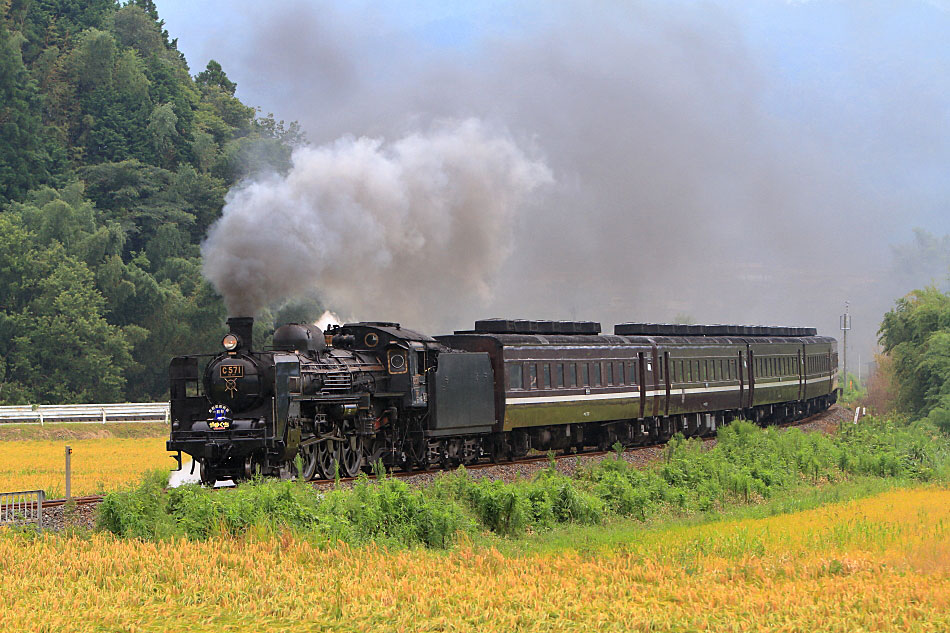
845, 326
69, 492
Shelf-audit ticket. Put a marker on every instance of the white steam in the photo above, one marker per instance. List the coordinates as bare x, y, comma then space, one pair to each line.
327, 319
402, 230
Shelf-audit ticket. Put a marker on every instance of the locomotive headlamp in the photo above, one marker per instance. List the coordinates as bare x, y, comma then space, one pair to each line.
230, 342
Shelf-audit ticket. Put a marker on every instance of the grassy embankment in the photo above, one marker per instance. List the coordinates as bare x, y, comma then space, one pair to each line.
105, 457
746, 466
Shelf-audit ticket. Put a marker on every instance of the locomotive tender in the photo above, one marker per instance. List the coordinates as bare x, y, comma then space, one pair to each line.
374, 391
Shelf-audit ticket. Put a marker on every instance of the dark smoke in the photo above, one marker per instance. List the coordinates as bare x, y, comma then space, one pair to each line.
411, 228
688, 180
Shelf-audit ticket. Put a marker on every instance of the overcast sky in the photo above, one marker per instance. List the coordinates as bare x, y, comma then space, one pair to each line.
741, 162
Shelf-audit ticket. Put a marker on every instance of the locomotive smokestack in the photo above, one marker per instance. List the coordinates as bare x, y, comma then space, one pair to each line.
243, 328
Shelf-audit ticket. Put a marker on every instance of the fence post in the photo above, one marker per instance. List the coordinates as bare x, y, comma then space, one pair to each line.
40, 498
103, 415
69, 452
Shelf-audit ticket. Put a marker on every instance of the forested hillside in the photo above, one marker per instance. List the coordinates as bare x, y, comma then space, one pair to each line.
114, 160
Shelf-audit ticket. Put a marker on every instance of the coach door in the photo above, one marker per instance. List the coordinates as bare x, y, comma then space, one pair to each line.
801, 373
656, 380
750, 366
742, 379
641, 362
667, 379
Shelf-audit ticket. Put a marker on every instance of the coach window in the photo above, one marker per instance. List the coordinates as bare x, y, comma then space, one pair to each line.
661, 370
610, 374
596, 370
572, 375
515, 377
532, 376
585, 374
618, 373
547, 376
559, 375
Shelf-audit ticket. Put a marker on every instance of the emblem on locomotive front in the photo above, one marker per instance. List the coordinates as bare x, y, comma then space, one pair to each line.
220, 418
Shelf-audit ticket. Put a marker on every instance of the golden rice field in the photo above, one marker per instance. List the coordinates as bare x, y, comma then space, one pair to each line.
877, 564
98, 465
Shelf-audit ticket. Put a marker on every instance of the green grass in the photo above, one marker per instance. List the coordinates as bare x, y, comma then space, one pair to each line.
621, 531
749, 470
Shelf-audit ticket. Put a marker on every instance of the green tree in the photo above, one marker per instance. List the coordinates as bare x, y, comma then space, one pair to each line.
916, 335
137, 29
161, 126
23, 159
114, 161
214, 75
54, 336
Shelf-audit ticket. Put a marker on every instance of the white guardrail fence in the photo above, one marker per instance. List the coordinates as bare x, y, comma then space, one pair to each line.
85, 413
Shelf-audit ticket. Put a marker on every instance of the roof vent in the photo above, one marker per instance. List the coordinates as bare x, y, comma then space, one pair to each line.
523, 326
675, 329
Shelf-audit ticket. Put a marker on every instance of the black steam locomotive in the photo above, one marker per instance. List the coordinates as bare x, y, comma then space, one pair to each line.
373, 392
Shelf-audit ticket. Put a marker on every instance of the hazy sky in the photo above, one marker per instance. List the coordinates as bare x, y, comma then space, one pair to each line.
736, 162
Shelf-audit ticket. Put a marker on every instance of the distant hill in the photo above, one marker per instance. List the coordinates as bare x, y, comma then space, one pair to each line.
114, 160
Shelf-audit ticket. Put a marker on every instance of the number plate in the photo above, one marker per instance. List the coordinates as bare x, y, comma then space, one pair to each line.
232, 371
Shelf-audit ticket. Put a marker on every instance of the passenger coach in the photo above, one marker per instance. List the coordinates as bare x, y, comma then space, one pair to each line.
646, 381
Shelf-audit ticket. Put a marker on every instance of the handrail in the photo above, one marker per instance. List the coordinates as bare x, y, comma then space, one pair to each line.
89, 413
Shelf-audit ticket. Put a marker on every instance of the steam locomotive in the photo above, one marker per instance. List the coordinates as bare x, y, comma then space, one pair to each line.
362, 393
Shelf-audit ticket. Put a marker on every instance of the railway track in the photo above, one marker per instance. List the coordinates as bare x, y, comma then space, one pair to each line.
319, 483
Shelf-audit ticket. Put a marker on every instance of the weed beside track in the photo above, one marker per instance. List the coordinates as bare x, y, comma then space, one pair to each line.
746, 465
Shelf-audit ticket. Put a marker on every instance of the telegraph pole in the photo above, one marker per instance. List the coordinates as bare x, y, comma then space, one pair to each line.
845, 326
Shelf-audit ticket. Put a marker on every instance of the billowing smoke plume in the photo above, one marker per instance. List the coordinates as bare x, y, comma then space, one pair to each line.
726, 161
408, 229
